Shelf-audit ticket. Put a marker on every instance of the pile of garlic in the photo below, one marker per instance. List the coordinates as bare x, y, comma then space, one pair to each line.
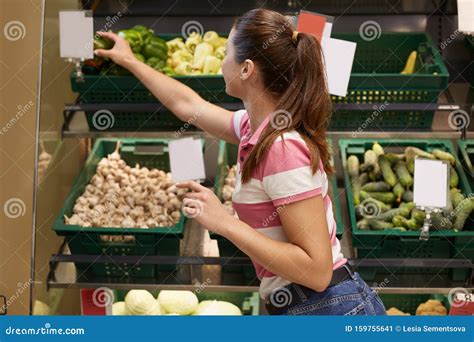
129, 197
228, 189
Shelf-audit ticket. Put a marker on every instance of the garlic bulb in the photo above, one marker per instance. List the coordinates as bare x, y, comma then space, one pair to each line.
228, 189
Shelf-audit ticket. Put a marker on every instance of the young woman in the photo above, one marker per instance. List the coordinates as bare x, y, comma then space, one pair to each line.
286, 223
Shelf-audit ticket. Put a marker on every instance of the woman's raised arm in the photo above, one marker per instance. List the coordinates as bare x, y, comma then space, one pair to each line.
184, 102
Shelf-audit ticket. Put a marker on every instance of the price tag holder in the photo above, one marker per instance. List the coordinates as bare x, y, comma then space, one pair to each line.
431, 183
76, 32
186, 159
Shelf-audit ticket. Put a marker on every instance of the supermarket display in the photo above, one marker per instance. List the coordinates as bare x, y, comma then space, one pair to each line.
383, 185
192, 55
106, 194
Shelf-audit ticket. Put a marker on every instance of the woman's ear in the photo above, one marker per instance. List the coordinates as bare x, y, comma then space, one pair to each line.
247, 69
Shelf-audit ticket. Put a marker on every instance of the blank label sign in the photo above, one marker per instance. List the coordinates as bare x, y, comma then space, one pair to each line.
76, 34
430, 187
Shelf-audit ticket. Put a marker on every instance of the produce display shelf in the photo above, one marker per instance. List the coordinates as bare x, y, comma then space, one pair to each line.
376, 78
247, 301
151, 241
466, 154
397, 244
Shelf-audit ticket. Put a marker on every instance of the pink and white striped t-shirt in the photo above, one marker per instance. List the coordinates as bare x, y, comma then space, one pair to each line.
283, 177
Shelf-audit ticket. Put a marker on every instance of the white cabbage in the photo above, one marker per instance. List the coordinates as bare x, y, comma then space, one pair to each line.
217, 308
119, 309
178, 302
141, 302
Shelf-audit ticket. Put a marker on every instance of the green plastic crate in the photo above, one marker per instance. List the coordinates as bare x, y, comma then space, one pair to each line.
376, 78
148, 242
128, 89
466, 154
248, 302
228, 157
395, 244
408, 303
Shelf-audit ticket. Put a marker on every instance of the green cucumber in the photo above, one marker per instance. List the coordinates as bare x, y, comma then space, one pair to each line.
387, 172
418, 215
375, 224
407, 196
363, 178
438, 221
386, 197
443, 155
376, 186
403, 174
377, 148
456, 197
453, 178
398, 191
463, 210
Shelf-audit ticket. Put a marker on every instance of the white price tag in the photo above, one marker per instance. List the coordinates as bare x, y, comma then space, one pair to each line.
76, 34
431, 183
186, 159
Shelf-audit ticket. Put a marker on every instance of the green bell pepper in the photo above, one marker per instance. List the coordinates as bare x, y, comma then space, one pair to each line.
102, 43
134, 38
156, 63
156, 47
168, 71
145, 32
139, 57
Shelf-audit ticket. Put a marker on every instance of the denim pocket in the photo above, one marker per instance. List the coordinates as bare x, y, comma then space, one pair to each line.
346, 298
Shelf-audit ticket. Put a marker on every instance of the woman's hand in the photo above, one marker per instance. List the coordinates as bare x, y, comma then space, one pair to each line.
121, 53
203, 205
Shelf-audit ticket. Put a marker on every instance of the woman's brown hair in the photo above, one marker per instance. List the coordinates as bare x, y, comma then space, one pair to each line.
292, 70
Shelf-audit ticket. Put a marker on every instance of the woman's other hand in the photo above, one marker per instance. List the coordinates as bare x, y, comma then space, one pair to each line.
203, 206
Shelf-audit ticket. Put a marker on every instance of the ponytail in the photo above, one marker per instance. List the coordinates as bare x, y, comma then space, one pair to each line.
293, 72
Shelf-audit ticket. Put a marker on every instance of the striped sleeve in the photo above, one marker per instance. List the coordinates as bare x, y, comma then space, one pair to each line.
236, 122
287, 175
